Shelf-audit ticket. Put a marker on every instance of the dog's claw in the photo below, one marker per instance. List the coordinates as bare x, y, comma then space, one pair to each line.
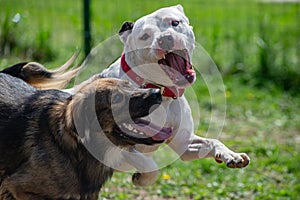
144, 179
240, 164
231, 164
246, 159
135, 177
233, 160
218, 158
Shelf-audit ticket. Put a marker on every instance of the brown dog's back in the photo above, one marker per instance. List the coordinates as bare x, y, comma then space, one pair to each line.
33, 158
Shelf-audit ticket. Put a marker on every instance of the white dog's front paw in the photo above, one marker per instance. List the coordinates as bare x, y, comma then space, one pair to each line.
232, 159
144, 179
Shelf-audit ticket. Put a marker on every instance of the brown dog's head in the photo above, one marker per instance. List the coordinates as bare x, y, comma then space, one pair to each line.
114, 108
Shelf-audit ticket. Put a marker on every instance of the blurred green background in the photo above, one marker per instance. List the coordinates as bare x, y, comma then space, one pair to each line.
256, 46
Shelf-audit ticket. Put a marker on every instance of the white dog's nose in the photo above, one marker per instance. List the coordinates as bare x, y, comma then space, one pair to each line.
166, 42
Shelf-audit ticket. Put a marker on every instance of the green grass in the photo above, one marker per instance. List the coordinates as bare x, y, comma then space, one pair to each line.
256, 48
265, 124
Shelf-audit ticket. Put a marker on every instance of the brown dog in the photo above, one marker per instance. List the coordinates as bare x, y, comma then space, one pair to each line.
52, 144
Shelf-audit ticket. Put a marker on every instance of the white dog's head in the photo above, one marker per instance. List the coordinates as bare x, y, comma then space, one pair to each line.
159, 47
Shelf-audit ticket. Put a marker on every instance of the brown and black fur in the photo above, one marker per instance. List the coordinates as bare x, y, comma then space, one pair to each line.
42, 136
38, 76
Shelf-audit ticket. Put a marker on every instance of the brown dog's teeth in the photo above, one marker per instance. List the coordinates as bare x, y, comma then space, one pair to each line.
124, 125
130, 128
141, 133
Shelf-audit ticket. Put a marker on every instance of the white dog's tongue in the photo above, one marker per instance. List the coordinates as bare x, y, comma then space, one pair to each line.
177, 62
152, 130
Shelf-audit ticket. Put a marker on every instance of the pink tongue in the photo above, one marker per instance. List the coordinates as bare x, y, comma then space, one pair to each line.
153, 131
181, 65
177, 62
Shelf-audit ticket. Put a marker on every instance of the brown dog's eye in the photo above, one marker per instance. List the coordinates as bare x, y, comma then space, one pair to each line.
117, 98
145, 36
175, 23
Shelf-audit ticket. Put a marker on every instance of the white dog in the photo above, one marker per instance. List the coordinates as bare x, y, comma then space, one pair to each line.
157, 53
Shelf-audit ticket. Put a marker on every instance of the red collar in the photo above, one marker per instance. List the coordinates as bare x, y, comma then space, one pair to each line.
165, 91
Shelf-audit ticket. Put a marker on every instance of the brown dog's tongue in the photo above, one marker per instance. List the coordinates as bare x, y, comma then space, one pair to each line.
152, 130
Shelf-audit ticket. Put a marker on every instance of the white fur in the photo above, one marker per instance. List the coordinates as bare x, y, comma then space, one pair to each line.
175, 113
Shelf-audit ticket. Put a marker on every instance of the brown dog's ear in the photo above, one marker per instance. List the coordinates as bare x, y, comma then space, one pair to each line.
125, 30
82, 115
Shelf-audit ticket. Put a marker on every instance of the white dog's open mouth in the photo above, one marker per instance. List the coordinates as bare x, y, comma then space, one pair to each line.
146, 132
178, 67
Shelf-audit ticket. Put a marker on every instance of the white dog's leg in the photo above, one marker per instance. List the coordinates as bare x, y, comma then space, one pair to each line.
199, 147
192, 147
208, 148
147, 168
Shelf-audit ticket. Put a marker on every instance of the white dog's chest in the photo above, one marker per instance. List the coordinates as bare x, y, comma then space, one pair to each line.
161, 115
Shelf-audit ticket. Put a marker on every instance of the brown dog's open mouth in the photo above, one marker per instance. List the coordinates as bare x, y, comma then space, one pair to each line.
144, 132
178, 67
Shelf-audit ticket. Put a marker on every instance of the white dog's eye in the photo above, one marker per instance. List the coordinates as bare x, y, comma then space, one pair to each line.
145, 36
175, 23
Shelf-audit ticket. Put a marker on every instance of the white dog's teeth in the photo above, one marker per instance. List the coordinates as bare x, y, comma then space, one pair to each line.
135, 131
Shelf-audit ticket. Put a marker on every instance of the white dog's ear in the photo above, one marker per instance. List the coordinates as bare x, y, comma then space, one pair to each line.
125, 31
180, 8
